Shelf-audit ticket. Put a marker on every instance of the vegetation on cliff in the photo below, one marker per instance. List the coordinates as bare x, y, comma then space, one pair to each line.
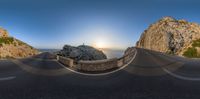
11, 47
192, 52
6, 40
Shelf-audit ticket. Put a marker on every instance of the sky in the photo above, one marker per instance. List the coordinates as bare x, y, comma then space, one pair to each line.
115, 24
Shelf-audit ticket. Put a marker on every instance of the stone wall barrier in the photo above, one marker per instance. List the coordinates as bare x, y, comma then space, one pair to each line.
66, 61
53, 57
120, 62
125, 59
98, 65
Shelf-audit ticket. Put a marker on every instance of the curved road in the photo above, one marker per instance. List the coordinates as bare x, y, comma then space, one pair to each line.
151, 75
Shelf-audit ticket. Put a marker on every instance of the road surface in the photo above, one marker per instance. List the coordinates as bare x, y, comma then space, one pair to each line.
151, 75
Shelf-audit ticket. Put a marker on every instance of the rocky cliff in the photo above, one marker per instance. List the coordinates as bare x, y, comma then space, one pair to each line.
170, 36
11, 47
82, 52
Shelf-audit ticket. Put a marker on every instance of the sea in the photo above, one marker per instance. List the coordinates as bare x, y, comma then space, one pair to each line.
110, 53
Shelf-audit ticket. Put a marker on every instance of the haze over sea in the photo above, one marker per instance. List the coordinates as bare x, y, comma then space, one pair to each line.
110, 53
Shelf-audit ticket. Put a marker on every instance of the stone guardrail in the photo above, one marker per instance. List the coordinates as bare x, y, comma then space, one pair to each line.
126, 58
66, 61
52, 57
98, 65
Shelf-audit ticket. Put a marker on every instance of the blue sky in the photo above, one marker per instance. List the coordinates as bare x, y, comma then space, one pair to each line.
115, 23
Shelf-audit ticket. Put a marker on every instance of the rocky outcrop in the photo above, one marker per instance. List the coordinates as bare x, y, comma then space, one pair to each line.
3, 32
11, 47
82, 52
170, 36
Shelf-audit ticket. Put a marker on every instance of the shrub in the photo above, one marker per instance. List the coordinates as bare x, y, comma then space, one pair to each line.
20, 42
191, 52
196, 43
170, 53
6, 40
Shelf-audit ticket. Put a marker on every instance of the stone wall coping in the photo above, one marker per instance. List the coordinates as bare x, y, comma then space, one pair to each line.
65, 58
98, 61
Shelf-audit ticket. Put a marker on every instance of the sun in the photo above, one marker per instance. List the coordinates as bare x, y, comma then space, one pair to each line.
100, 44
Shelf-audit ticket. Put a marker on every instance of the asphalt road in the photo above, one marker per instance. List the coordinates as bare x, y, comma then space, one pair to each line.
151, 75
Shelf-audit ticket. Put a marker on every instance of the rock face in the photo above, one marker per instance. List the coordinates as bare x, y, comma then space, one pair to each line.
11, 47
170, 36
3, 33
82, 52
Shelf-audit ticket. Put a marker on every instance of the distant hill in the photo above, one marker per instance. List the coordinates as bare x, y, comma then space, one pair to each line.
172, 36
11, 47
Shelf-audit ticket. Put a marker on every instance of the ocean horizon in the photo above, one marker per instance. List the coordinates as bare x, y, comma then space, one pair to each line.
110, 53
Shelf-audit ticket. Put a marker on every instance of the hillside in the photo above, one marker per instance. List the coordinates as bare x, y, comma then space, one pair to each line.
172, 36
11, 47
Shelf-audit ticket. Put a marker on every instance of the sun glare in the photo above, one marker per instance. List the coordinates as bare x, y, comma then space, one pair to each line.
100, 37
100, 44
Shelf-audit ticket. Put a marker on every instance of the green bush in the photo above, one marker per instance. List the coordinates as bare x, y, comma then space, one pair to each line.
191, 53
6, 40
20, 42
196, 43
170, 53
